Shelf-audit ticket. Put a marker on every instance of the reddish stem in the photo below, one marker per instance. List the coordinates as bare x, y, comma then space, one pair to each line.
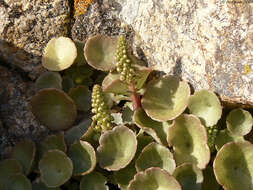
135, 97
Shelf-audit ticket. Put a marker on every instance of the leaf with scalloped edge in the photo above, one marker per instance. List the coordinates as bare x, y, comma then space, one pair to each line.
206, 105
189, 140
82, 97
93, 181
155, 155
158, 130
54, 109
233, 166
49, 80
239, 122
224, 136
55, 168
154, 179
59, 54
19, 182
100, 51
165, 98
24, 152
189, 176
83, 157
117, 148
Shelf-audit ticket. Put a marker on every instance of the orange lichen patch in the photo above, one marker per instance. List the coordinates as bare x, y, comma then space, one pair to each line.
81, 6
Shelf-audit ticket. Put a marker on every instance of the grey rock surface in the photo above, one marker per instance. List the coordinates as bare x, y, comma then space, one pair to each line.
207, 43
16, 118
25, 28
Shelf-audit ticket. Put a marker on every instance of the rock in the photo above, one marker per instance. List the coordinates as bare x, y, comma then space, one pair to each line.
207, 43
17, 120
100, 18
25, 28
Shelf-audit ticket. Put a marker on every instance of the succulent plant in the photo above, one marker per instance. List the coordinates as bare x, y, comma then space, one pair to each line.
19, 182
55, 168
93, 181
117, 148
24, 152
59, 54
54, 109
102, 120
99, 52
49, 80
206, 105
165, 98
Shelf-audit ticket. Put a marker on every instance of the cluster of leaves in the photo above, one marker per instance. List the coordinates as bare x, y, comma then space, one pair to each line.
146, 132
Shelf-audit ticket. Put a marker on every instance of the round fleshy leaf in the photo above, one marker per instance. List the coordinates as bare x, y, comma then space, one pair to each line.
19, 182
189, 176
155, 155
154, 179
158, 130
117, 148
239, 122
233, 166
93, 181
76, 132
82, 97
24, 152
52, 142
100, 51
67, 84
8, 168
59, 54
189, 140
55, 168
224, 136
142, 75
113, 84
49, 80
42, 186
209, 182
83, 157
206, 105
91, 136
54, 109
165, 98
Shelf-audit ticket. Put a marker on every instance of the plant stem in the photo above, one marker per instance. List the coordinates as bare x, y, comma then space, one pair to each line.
135, 97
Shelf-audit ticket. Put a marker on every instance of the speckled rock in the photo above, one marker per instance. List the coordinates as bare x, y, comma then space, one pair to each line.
17, 120
101, 18
208, 43
25, 28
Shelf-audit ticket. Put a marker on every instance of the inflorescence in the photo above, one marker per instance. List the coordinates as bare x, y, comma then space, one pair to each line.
102, 120
124, 63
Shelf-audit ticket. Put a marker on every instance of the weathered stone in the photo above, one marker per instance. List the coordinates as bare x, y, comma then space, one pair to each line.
17, 119
25, 28
101, 18
208, 43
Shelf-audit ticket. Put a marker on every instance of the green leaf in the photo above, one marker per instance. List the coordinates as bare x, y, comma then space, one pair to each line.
49, 80
165, 98
233, 166
158, 130
59, 54
54, 109
19, 182
206, 105
93, 181
55, 168
82, 97
189, 140
154, 179
155, 155
189, 176
100, 51
117, 148
24, 152
83, 157
239, 122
